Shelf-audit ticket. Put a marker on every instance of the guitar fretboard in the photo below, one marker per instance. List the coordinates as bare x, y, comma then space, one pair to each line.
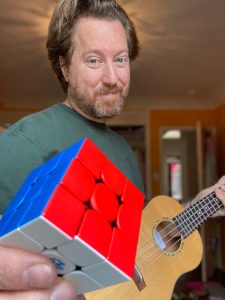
190, 219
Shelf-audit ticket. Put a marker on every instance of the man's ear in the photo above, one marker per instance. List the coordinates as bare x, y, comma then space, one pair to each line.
64, 68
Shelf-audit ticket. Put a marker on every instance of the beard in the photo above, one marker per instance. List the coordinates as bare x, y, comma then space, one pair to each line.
105, 103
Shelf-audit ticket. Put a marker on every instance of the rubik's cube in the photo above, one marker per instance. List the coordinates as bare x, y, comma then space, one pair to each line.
80, 211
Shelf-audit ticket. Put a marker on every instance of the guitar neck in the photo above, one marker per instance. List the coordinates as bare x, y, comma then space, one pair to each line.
191, 219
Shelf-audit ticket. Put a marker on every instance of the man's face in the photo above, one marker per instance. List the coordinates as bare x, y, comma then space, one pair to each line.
99, 73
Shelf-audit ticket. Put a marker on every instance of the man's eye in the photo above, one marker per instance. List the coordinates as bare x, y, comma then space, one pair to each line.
94, 62
122, 61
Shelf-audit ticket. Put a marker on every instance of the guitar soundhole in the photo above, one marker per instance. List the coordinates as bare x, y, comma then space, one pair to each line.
167, 237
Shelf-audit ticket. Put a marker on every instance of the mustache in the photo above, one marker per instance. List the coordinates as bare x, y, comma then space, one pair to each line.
109, 90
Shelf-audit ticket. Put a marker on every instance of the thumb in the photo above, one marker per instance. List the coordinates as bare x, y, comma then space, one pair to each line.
22, 270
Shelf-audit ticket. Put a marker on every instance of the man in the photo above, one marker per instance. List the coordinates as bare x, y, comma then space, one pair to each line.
90, 45
92, 62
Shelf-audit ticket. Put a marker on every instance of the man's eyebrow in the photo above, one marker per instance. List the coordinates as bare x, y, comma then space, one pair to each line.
123, 51
99, 52
92, 51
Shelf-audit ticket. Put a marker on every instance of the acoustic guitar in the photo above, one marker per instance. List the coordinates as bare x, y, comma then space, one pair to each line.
169, 246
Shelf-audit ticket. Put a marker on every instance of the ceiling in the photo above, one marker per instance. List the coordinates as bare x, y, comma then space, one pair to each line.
181, 65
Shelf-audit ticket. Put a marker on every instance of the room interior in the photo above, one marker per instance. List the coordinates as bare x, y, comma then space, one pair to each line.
178, 84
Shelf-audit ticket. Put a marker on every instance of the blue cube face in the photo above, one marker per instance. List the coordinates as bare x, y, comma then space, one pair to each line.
23, 191
34, 194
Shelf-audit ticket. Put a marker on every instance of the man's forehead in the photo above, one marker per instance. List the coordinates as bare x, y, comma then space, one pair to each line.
89, 29
96, 34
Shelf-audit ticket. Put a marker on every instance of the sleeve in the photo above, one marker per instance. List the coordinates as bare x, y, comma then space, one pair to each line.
138, 178
18, 157
135, 170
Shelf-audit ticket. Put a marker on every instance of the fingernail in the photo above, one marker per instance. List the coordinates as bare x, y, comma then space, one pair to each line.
39, 276
64, 291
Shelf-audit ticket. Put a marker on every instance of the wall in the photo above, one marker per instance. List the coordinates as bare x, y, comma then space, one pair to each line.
184, 149
176, 118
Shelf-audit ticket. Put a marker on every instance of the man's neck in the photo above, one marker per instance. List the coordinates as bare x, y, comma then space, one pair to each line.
74, 106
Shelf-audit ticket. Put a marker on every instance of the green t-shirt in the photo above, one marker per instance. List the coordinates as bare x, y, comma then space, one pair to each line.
38, 137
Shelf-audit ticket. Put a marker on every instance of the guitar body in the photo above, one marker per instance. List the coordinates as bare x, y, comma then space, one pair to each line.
160, 268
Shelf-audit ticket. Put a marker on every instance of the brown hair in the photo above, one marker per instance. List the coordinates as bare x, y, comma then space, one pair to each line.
64, 17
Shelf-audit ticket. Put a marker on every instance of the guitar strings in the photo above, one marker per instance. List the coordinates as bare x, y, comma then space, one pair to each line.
161, 254
145, 244
172, 224
171, 246
151, 263
158, 249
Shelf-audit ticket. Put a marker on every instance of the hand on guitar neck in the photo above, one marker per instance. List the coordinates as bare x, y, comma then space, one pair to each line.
219, 189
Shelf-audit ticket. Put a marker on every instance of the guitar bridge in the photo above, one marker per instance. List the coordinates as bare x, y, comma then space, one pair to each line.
138, 279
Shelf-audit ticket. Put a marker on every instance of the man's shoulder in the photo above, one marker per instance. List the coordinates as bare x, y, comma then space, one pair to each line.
37, 119
38, 129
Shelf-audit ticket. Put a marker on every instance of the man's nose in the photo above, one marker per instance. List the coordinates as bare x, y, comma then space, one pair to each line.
110, 75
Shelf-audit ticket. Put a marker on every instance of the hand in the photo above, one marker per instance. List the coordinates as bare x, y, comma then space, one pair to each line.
29, 276
219, 189
220, 193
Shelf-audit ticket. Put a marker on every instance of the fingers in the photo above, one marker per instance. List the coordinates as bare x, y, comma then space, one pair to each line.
27, 275
220, 193
21, 270
202, 194
63, 291
28, 295
209, 190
